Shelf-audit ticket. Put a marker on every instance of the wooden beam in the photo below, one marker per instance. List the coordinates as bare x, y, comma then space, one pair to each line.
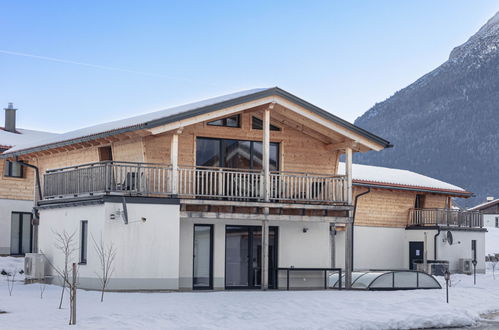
349, 227
343, 145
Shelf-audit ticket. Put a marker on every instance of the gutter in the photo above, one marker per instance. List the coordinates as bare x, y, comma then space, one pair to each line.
435, 243
353, 218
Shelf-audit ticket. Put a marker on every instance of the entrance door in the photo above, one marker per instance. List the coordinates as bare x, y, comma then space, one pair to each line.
243, 250
20, 233
416, 250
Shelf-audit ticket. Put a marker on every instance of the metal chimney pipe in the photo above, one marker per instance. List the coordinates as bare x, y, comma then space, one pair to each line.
10, 118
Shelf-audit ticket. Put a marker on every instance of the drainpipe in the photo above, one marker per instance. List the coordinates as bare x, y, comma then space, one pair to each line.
353, 218
435, 243
36, 216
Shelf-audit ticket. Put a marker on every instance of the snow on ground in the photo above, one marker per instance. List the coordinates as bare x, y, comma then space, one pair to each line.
252, 309
492, 241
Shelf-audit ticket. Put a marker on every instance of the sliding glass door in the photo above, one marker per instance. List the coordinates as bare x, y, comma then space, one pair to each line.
20, 233
202, 277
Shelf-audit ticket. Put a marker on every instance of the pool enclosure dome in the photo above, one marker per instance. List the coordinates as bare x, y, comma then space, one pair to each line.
387, 280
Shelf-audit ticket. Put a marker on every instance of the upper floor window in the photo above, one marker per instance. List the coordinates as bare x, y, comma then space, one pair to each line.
257, 123
419, 203
13, 169
232, 121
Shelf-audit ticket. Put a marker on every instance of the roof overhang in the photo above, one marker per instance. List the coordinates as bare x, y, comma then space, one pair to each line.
394, 186
270, 95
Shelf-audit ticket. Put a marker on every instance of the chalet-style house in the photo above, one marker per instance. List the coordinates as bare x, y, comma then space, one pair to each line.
16, 189
490, 211
226, 193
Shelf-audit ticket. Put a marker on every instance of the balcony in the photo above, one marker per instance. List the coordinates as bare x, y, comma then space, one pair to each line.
445, 217
146, 179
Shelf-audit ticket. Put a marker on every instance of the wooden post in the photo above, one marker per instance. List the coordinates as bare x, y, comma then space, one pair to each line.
349, 226
174, 163
266, 196
73, 287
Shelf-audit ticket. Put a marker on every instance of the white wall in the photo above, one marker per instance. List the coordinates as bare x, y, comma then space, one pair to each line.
7, 206
489, 220
147, 252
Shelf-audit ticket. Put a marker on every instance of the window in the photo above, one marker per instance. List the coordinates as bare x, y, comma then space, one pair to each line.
497, 222
232, 121
21, 233
202, 277
257, 123
13, 169
83, 241
105, 153
473, 248
234, 153
419, 203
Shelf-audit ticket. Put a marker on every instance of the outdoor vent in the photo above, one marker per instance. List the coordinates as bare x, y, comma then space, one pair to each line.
10, 118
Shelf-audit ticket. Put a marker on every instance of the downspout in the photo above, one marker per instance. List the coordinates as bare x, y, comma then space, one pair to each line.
353, 218
36, 215
435, 243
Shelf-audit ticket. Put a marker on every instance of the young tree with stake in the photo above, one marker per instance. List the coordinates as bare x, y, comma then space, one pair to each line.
107, 254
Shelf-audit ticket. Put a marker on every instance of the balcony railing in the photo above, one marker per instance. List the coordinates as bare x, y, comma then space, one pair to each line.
195, 182
445, 217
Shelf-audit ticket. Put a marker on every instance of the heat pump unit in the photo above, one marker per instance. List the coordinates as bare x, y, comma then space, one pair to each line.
34, 266
465, 266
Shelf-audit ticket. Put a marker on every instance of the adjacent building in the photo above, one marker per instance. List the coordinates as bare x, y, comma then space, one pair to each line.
17, 187
490, 211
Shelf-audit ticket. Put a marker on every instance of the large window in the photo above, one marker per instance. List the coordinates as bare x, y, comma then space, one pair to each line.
13, 169
234, 153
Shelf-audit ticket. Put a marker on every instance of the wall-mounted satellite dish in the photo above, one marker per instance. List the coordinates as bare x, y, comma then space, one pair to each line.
450, 239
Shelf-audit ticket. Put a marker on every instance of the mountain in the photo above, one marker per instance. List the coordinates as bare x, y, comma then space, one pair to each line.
446, 124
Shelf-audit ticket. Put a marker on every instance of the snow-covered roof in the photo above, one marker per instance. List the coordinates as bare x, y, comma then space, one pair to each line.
153, 119
485, 205
392, 177
23, 136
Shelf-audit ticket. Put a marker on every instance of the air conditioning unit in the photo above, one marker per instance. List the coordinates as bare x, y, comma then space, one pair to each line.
34, 266
465, 266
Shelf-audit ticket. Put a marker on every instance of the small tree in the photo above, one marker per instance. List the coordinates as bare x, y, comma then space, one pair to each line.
42, 285
11, 278
65, 243
107, 254
493, 262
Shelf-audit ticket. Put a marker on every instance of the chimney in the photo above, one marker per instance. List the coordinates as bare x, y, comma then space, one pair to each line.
10, 118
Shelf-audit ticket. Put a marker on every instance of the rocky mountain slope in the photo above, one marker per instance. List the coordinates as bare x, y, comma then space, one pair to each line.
446, 124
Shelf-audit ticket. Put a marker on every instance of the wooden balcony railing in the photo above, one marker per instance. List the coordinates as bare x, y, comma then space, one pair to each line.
195, 182
445, 217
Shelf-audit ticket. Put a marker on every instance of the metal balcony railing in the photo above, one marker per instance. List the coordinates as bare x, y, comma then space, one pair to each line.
445, 217
148, 179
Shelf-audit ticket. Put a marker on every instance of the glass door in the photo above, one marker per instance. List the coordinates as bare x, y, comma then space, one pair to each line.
20, 233
243, 251
202, 277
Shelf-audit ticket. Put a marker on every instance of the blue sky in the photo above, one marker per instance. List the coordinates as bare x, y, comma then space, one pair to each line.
342, 56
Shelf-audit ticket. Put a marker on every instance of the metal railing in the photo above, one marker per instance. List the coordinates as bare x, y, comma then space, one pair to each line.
445, 217
192, 181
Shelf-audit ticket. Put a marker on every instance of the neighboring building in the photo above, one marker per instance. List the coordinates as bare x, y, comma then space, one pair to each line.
16, 189
490, 211
402, 207
221, 193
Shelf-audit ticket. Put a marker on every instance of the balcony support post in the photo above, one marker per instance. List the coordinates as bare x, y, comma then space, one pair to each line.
349, 226
266, 196
174, 162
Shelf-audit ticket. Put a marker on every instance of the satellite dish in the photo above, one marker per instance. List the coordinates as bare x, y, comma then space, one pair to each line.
450, 239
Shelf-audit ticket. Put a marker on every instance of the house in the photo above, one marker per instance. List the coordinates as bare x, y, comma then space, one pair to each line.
230, 192
396, 209
490, 211
16, 189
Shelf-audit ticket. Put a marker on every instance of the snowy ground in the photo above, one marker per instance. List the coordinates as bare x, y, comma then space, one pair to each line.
251, 309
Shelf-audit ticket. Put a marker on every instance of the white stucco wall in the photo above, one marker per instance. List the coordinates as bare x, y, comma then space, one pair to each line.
489, 220
7, 206
147, 252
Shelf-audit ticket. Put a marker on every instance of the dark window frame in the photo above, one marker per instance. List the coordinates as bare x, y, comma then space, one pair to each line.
419, 201
83, 242
210, 285
255, 121
9, 167
222, 151
20, 239
224, 121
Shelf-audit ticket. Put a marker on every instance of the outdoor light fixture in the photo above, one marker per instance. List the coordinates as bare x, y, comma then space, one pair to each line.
447, 278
